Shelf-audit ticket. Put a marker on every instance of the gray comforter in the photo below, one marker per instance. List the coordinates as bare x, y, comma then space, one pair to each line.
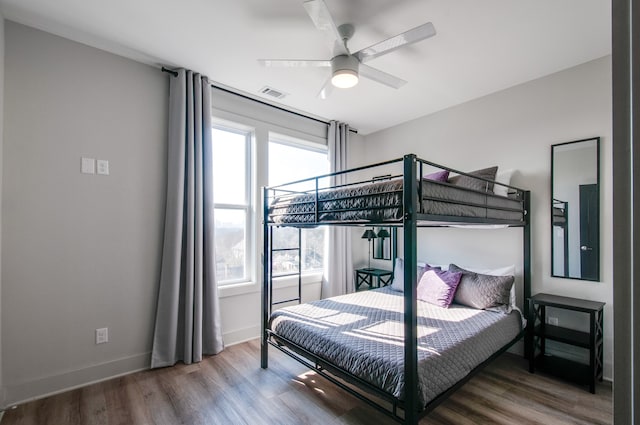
363, 334
382, 201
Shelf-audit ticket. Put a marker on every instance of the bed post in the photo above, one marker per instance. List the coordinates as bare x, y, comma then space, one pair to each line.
264, 346
526, 275
410, 294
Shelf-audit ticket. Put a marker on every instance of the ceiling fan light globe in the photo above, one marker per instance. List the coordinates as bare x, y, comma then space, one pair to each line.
344, 78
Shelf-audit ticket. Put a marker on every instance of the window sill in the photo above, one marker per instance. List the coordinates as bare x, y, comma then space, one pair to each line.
235, 289
289, 281
243, 288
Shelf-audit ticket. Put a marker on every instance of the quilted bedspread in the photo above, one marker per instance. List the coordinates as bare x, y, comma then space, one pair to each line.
363, 334
382, 201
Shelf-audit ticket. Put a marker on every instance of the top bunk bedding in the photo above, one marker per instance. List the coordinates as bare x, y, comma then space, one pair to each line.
381, 201
362, 333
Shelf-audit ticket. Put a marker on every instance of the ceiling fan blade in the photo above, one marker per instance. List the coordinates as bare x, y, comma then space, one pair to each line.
321, 17
389, 45
381, 77
293, 63
326, 90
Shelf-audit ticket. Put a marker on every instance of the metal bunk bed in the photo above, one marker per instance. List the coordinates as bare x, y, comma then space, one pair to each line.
410, 209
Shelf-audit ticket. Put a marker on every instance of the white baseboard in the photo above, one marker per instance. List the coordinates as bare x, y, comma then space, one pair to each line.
241, 335
39, 388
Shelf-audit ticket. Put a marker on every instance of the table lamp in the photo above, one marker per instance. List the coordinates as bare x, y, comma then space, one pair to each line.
369, 235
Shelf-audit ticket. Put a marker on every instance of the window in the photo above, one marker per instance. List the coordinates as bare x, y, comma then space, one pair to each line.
309, 162
231, 150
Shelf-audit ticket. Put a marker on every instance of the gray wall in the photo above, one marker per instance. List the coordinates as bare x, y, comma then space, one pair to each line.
514, 129
80, 251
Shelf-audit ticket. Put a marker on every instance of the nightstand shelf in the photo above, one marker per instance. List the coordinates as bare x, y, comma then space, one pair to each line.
374, 278
539, 331
564, 335
564, 368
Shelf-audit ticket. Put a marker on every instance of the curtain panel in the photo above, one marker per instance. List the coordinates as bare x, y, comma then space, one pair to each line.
338, 276
188, 314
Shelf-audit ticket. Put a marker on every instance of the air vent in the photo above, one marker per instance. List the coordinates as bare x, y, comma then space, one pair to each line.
269, 91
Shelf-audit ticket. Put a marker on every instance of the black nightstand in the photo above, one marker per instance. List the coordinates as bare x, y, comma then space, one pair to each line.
539, 331
367, 275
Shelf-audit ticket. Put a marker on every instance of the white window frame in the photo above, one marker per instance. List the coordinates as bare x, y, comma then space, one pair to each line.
230, 110
247, 207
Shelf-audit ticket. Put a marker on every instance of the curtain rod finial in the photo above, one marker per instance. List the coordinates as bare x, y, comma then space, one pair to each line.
170, 71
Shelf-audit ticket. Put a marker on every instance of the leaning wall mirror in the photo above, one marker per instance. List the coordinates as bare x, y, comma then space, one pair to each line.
575, 209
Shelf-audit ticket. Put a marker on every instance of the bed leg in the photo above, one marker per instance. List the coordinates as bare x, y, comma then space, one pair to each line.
264, 353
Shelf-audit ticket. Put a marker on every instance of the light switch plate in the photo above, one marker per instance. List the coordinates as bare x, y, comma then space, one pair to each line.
102, 335
87, 165
103, 167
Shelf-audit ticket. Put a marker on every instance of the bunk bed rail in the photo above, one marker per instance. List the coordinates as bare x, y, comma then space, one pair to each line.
374, 194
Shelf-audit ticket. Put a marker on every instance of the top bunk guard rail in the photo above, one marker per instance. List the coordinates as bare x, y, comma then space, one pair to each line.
336, 173
338, 186
378, 199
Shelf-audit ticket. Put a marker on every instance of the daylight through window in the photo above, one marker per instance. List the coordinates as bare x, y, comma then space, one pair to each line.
291, 162
232, 203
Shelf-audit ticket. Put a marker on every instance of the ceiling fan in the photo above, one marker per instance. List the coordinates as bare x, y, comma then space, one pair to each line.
347, 67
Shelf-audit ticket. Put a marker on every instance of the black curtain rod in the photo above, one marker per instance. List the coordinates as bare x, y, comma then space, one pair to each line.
175, 74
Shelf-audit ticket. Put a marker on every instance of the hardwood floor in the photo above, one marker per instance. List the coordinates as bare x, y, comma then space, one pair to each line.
230, 388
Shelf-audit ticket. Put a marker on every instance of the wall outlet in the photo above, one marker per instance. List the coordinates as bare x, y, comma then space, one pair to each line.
103, 167
552, 321
102, 335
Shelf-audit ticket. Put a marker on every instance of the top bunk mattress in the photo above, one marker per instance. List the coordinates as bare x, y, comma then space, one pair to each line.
381, 201
362, 333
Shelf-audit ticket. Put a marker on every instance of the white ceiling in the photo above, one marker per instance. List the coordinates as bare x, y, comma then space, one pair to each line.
480, 46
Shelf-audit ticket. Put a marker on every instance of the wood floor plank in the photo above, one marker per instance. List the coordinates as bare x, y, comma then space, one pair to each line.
231, 388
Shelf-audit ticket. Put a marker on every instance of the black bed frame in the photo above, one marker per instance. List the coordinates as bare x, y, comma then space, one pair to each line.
412, 218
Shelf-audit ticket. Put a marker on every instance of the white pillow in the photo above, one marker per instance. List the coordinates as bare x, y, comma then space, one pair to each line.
505, 178
398, 275
502, 271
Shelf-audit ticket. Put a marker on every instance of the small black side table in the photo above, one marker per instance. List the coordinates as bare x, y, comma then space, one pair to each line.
538, 331
367, 275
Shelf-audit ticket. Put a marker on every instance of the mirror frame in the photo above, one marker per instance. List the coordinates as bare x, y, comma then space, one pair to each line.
597, 275
389, 242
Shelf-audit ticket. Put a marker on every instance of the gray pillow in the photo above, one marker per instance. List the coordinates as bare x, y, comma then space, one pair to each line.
475, 184
482, 291
398, 275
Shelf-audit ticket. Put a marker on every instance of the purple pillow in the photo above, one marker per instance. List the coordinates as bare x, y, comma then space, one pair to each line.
426, 268
439, 176
438, 287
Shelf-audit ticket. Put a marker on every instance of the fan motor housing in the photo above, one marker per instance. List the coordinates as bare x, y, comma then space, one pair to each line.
344, 63
344, 71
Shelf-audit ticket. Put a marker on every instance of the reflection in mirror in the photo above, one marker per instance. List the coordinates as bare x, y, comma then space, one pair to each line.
575, 209
382, 243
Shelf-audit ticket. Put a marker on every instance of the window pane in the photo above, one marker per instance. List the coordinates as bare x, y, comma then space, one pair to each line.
286, 239
313, 248
229, 167
309, 163
230, 240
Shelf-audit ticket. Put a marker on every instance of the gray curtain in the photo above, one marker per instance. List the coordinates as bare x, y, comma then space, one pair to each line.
188, 314
338, 277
